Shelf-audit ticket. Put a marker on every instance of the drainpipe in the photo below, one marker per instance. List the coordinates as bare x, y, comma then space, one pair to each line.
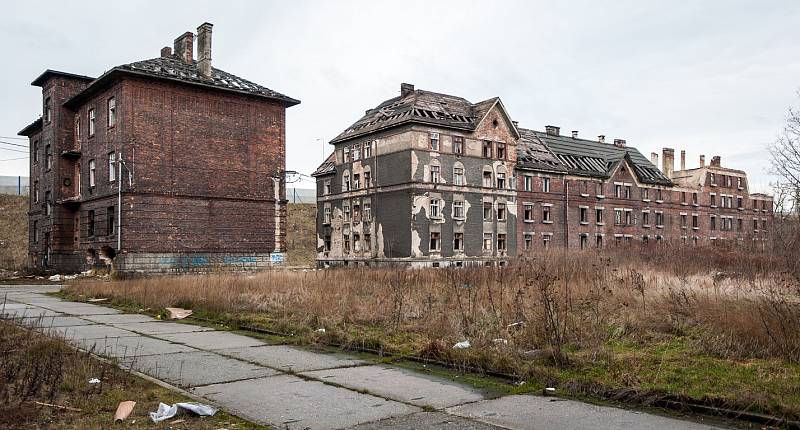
119, 204
566, 215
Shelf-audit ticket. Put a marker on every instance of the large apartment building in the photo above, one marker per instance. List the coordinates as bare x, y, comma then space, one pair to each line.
429, 179
167, 164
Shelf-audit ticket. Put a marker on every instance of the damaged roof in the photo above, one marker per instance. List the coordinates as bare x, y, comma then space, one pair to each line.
420, 106
591, 158
533, 154
327, 167
31, 128
172, 68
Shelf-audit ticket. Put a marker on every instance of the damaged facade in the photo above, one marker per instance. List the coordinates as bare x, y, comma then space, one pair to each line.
429, 179
161, 165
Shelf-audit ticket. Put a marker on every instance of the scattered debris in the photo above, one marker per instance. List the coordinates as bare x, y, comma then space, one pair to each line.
549, 391
66, 408
500, 341
516, 324
178, 313
166, 412
462, 345
320, 330
94, 381
97, 300
54, 278
124, 409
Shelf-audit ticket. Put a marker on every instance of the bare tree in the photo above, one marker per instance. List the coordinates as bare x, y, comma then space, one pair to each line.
785, 155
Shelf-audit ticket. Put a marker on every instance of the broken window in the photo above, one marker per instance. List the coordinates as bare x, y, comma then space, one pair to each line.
91, 173
695, 221
326, 187
458, 176
487, 241
91, 122
627, 191
436, 242
599, 241
346, 181
35, 192
598, 215
546, 185
727, 181
112, 112
659, 219
48, 157
356, 152
618, 191
501, 180
90, 224
739, 224
684, 220
645, 219
487, 178
645, 193
48, 205
356, 181
434, 139
346, 154
435, 170
528, 238
458, 145
434, 208
346, 241
112, 167
346, 211
659, 196
367, 242
458, 209
487, 211
694, 199
487, 149
35, 231
367, 178
501, 212
356, 242
546, 214
527, 183
584, 241
584, 215
356, 211
501, 151
600, 189
77, 128
618, 216
327, 241
501, 242
35, 151
527, 212
712, 178
326, 216
713, 199
458, 241
713, 222
367, 211
546, 240
368, 150
48, 111
110, 220
739, 183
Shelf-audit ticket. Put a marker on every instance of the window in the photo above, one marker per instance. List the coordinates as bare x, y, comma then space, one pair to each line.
501, 212
35, 151
764, 224
618, 191
584, 215
599, 189
598, 215
35, 191
546, 214
326, 216
346, 182
110, 220
713, 222
367, 211
694, 199
618, 216
346, 240
112, 112
528, 240
458, 209
739, 224
326, 187
346, 211
546, 185
91, 173
327, 241
755, 224
487, 211
712, 178
77, 128
599, 241
367, 242
487, 241
527, 212
112, 166
367, 178
501, 151
458, 241
728, 181
739, 183
48, 204
48, 157
436, 243
356, 211
48, 111
487, 178
645, 219
695, 221
627, 191
659, 219
487, 149
458, 145
356, 242
501, 180
346, 154
435, 174
35, 231
356, 151
527, 183
367, 152
584, 241
458, 176
713, 200
434, 138
91, 122
645, 194
434, 208
628, 217
659, 196
90, 224
683, 197
356, 181
684, 220
546, 240
501, 242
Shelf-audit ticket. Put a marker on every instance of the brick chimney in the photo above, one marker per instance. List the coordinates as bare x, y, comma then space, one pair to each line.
601, 138
184, 47
620, 143
516, 123
166, 52
654, 158
574, 134
552, 130
716, 161
668, 162
204, 49
683, 159
406, 89
702, 161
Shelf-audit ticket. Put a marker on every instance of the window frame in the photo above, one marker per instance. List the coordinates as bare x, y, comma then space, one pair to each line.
91, 117
111, 112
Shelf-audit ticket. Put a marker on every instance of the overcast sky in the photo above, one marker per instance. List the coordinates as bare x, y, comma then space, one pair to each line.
710, 77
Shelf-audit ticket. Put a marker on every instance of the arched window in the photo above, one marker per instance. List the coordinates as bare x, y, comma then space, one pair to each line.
346, 181
435, 171
458, 174
500, 177
488, 177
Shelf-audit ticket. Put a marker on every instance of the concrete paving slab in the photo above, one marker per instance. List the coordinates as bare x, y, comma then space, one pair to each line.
30, 313
191, 369
547, 413
426, 420
162, 327
287, 401
55, 322
80, 309
292, 359
211, 339
400, 384
13, 305
97, 331
119, 318
125, 347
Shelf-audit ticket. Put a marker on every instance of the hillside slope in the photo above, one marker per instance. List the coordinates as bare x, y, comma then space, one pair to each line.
13, 232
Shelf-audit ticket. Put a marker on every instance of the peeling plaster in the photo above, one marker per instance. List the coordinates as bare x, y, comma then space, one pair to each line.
415, 243
414, 164
380, 244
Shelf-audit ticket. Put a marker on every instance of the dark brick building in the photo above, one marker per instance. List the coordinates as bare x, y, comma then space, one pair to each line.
167, 164
433, 179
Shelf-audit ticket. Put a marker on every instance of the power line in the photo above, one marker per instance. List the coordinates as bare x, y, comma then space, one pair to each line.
14, 144
12, 159
13, 150
13, 137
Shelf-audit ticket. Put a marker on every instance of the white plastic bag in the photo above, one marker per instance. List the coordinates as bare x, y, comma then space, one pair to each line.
166, 412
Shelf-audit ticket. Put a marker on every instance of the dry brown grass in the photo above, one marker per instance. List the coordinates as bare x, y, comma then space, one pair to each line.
13, 232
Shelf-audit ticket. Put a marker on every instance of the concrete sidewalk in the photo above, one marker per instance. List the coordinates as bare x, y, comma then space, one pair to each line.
288, 387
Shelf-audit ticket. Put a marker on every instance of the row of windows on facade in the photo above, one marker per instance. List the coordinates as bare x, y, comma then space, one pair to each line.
434, 245
356, 215
111, 116
112, 177
365, 149
727, 181
111, 224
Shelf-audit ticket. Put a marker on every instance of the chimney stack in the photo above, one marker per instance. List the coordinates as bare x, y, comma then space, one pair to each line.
184, 46
683, 159
716, 161
552, 130
204, 49
702, 161
166, 52
516, 123
654, 158
601, 138
620, 143
574, 134
668, 160
406, 89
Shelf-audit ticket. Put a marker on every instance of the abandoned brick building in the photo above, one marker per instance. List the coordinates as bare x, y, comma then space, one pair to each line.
166, 164
429, 179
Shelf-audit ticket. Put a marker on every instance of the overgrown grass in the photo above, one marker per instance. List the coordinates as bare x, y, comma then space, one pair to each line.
713, 325
40, 368
301, 235
13, 232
